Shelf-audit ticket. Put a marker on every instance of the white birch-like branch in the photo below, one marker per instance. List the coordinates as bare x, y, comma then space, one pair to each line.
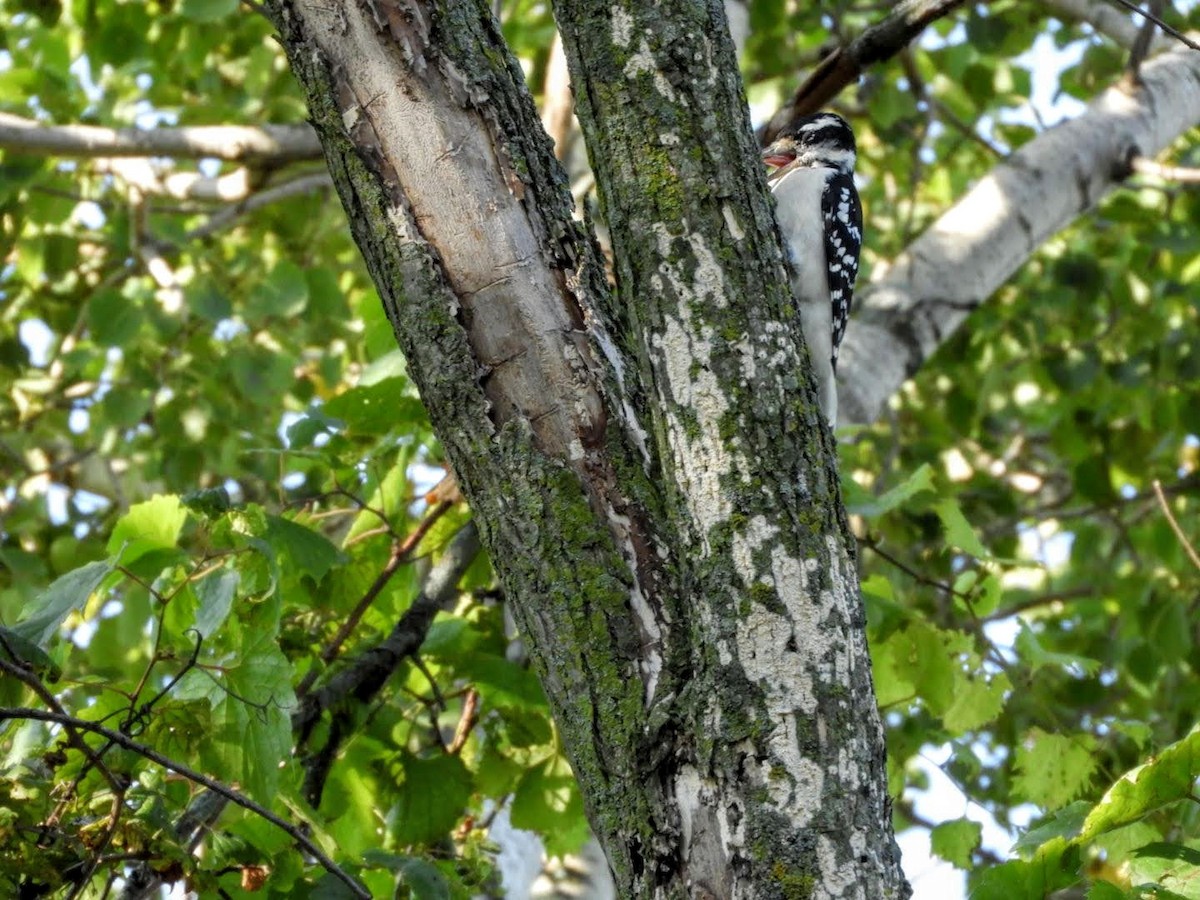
1112, 23
912, 305
263, 143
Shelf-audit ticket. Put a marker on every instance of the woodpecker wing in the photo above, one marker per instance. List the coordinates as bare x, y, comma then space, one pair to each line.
843, 238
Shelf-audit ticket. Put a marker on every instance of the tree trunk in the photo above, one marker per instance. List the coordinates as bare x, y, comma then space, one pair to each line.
649, 469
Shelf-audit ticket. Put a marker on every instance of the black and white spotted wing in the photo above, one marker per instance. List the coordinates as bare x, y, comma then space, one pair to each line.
843, 241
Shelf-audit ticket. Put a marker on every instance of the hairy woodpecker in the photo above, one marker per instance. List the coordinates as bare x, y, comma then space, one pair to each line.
821, 220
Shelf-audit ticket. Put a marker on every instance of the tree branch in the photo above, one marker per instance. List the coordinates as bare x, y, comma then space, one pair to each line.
363, 678
261, 144
1179, 174
843, 66
920, 299
1102, 17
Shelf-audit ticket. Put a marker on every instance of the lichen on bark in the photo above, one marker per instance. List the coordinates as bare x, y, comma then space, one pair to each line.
648, 469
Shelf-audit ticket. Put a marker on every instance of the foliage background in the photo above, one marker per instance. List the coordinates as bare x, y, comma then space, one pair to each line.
211, 453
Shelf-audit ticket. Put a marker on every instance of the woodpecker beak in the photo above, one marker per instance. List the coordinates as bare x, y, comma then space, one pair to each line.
778, 156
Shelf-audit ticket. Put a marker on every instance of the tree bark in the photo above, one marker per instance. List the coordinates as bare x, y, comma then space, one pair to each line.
648, 468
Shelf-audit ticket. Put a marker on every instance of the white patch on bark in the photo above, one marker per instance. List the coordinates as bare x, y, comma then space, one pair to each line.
688, 788
622, 26
651, 635
641, 61
782, 653
702, 460
731, 222
840, 881
633, 426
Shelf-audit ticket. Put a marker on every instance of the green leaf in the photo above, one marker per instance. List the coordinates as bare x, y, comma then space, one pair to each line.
207, 10
251, 698
955, 841
871, 507
1175, 867
978, 700
920, 660
376, 409
1054, 769
206, 300
1054, 867
301, 549
433, 794
1032, 653
67, 594
547, 801
1168, 778
15, 648
1064, 823
959, 532
423, 879
113, 319
503, 683
283, 294
210, 502
1102, 890
215, 597
153, 525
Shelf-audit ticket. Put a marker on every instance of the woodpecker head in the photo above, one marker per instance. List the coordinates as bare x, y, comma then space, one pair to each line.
823, 140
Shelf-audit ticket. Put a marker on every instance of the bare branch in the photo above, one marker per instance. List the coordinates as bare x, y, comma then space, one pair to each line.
367, 674
303, 184
1180, 174
156, 181
1183, 539
1141, 44
363, 680
843, 66
263, 144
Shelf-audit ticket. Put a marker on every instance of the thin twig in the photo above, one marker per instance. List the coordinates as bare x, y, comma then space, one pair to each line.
466, 721
401, 551
913, 573
1187, 545
304, 184
1178, 35
297, 834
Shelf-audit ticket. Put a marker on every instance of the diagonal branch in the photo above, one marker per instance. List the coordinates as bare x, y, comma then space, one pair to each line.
917, 302
843, 66
359, 683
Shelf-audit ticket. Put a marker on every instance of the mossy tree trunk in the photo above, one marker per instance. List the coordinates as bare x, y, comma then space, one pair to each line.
648, 467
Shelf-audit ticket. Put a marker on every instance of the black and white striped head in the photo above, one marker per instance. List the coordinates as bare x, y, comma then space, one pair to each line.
820, 140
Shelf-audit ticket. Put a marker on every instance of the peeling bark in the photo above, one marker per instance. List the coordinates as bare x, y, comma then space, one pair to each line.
649, 469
